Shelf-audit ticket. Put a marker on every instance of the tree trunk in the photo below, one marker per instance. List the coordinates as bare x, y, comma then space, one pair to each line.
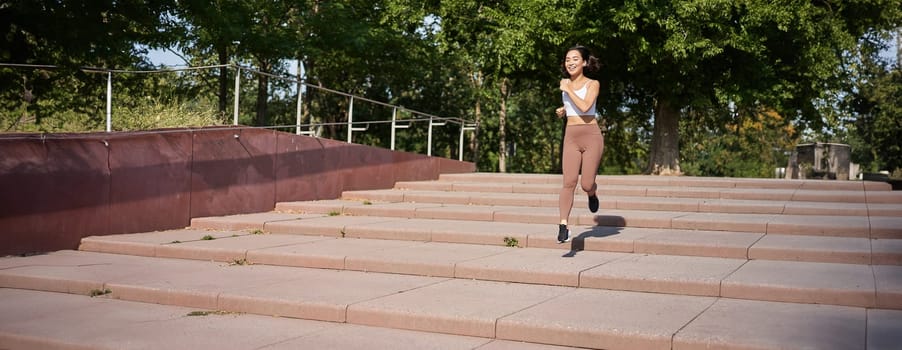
664, 156
223, 81
309, 99
474, 136
502, 118
262, 95
476, 82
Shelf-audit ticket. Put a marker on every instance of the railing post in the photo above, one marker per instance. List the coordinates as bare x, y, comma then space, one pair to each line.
394, 117
350, 118
460, 142
394, 126
300, 100
431, 124
109, 101
237, 92
463, 127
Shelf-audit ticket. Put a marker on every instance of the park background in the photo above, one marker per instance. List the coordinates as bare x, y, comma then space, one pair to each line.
706, 88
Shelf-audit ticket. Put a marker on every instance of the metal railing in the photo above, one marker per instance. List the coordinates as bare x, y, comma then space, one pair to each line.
352, 126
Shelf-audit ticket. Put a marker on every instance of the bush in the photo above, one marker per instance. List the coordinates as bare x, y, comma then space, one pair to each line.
149, 114
155, 114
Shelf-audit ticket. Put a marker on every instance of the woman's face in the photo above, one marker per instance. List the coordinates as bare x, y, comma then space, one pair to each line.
574, 63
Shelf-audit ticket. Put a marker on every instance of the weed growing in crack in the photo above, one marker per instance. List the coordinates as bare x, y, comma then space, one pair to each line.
206, 313
242, 261
99, 292
511, 242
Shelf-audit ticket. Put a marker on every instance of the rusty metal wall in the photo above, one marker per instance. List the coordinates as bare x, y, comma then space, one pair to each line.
53, 191
56, 189
233, 172
150, 183
301, 171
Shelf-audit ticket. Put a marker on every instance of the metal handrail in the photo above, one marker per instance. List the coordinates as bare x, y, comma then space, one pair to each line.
433, 120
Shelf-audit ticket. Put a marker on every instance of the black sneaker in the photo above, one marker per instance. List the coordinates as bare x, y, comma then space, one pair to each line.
593, 203
563, 233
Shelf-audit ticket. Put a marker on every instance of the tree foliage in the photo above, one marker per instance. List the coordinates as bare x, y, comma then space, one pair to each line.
72, 35
876, 126
698, 53
753, 144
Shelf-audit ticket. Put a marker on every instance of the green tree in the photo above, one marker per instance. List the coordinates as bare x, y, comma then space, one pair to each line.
782, 55
512, 75
73, 35
212, 29
262, 32
465, 38
376, 50
752, 145
876, 135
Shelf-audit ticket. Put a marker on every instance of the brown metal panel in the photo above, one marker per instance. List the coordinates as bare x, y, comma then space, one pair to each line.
450, 166
414, 167
367, 168
56, 189
54, 192
151, 182
299, 168
233, 172
330, 182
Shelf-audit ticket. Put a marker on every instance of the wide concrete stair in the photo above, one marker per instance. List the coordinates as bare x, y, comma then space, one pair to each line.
471, 262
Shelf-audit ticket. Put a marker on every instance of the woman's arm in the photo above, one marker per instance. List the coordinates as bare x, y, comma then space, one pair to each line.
582, 104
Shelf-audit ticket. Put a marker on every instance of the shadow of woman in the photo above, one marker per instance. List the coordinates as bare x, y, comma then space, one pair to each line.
578, 243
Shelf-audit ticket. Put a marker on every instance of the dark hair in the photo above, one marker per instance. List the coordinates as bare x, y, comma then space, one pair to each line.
592, 64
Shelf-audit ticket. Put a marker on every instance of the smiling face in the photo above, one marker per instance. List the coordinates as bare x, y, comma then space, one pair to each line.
574, 63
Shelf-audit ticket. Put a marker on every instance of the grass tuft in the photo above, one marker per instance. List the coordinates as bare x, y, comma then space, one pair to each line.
511, 242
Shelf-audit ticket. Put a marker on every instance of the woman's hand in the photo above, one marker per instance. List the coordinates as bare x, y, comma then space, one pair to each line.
565, 84
560, 112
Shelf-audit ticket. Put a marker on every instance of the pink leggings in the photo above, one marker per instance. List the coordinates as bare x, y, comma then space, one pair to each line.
583, 147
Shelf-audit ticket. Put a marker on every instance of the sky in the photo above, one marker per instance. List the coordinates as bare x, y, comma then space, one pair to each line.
167, 58
164, 57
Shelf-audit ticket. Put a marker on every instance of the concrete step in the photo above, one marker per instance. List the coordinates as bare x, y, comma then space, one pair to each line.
702, 193
793, 281
46, 320
546, 314
676, 187
610, 201
817, 225
668, 263
736, 245
673, 181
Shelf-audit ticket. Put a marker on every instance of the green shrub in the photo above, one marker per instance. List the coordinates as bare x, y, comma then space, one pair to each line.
154, 114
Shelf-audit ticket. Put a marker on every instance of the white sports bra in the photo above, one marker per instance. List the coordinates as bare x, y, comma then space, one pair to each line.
571, 109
